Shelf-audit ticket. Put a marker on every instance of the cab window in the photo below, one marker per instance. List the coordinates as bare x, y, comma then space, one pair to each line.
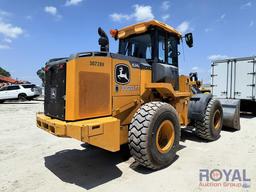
138, 46
161, 49
172, 51
167, 48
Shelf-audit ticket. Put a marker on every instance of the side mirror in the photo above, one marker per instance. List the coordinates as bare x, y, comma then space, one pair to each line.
189, 39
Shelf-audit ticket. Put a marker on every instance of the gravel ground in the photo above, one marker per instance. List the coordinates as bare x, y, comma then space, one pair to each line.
33, 160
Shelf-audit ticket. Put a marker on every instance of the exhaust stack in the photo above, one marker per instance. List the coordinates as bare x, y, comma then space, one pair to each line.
103, 40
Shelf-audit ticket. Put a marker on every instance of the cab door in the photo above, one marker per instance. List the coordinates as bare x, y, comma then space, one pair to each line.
166, 68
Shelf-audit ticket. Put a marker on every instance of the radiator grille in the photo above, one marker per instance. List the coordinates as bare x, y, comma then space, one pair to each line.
55, 91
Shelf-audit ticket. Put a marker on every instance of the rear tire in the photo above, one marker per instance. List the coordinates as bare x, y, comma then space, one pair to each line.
22, 97
154, 135
254, 109
210, 127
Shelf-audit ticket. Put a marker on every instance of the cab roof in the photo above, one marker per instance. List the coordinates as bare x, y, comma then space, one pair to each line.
143, 27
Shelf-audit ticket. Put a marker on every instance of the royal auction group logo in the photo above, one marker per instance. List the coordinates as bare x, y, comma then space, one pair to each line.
230, 178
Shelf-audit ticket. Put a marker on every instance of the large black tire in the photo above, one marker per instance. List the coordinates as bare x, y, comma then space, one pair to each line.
22, 97
2, 101
210, 127
148, 145
254, 108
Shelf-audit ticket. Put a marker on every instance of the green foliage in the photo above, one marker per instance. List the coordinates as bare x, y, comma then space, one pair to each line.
4, 72
41, 75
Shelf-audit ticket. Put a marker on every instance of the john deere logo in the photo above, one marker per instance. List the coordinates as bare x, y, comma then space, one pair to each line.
122, 74
53, 93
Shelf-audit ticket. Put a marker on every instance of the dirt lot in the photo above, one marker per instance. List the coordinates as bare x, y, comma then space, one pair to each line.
33, 160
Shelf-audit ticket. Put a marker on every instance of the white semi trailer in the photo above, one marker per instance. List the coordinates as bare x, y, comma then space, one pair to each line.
235, 78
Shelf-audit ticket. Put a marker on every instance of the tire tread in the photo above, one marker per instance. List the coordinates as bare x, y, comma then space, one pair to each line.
138, 132
203, 128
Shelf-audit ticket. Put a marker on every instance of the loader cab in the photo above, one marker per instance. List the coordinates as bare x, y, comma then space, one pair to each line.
158, 45
155, 45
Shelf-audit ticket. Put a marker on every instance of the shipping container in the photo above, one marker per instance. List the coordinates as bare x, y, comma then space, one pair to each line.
235, 78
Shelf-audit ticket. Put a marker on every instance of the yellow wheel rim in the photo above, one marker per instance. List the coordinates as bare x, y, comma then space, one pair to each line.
165, 136
217, 120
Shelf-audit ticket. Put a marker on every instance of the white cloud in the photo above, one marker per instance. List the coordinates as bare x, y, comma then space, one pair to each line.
246, 5
217, 57
251, 23
72, 2
29, 17
7, 40
51, 10
165, 17
222, 16
3, 46
165, 5
184, 27
10, 31
5, 13
140, 13
207, 30
194, 68
119, 17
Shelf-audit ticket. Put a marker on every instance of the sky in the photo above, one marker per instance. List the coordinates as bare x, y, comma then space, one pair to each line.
34, 31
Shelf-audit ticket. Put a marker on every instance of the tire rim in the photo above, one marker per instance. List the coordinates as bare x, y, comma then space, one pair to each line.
217, 120
165, 136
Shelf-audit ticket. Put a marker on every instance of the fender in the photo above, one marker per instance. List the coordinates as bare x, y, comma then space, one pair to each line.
197, 106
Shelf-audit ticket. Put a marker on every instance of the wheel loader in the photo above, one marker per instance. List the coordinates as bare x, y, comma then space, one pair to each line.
197, 86
133, 97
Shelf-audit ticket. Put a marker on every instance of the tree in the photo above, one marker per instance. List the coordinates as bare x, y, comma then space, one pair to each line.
41, 75
4, 72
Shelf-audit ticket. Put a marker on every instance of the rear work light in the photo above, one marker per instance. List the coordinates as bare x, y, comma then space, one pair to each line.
114, 33
61, 66
46, 69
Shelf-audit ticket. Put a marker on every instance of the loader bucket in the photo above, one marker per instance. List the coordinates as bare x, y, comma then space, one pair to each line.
231, 113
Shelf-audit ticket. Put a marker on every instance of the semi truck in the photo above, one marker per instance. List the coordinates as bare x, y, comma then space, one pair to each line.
235, 78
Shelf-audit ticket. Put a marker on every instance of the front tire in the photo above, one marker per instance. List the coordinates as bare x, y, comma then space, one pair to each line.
210, 127
154, 135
